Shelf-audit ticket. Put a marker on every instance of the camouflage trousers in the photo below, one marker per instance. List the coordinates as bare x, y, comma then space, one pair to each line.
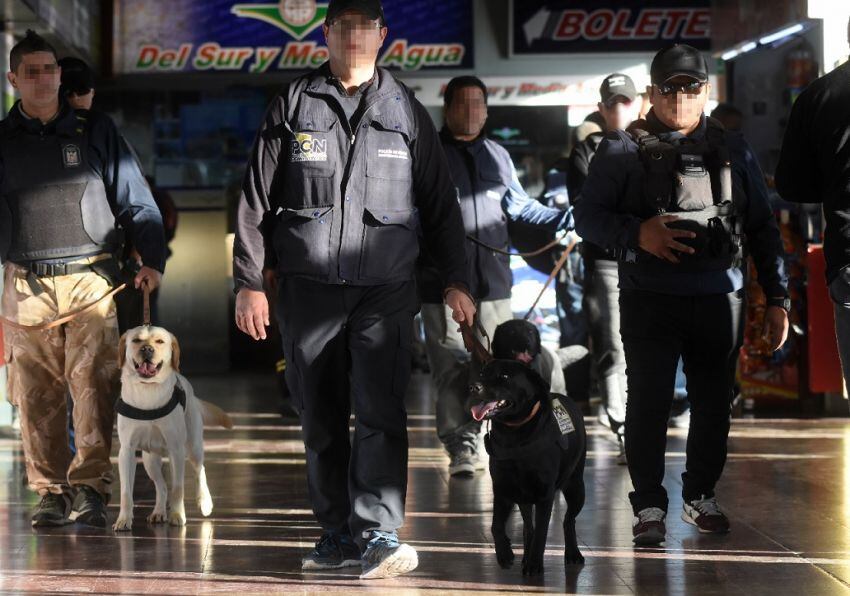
80, 358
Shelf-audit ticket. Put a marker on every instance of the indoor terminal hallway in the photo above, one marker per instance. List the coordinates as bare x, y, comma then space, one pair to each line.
786, 489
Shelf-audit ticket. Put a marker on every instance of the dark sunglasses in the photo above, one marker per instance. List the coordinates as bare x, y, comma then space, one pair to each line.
691, 88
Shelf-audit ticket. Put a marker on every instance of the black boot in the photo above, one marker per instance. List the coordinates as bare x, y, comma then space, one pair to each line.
90, 507
52, 511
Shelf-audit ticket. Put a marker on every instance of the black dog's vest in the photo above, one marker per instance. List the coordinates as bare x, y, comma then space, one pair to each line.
555, 426
177, 398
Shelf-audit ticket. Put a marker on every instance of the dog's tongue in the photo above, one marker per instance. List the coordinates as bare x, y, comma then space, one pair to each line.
147, 369
480, 411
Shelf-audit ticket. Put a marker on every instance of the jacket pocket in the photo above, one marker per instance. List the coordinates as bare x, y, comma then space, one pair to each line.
390, 244
311, 163
302, 240
389, 165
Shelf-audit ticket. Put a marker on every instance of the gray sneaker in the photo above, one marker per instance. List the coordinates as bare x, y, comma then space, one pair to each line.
464, 462
385, 557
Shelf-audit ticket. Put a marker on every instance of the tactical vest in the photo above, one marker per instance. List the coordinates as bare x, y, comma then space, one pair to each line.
692, 181
344, 197
54, 204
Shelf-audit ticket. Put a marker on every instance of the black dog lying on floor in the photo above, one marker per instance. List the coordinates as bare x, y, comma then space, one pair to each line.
537, 447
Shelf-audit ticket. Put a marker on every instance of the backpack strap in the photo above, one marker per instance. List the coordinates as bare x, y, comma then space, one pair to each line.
659, 163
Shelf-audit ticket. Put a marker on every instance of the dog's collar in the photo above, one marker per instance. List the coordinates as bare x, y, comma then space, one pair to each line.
178, 398
525, 420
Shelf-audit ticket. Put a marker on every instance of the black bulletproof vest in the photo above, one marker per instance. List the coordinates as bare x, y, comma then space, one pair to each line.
55, 204
692, 181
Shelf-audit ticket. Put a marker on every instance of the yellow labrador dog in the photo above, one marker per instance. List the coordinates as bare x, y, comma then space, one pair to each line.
159, 414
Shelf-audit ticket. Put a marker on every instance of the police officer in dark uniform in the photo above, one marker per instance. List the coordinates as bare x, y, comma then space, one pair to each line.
490, 195
66, 183
346, 173
675, 196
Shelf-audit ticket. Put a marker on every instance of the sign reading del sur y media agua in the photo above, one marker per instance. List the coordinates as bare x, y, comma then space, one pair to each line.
587, 26
156, 36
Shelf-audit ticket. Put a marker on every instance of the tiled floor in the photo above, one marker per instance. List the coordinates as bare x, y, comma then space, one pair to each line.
786, 488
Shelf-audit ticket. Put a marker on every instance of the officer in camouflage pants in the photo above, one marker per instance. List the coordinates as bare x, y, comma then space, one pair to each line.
67, 182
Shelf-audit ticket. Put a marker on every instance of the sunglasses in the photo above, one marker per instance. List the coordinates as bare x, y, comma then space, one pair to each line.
691, 88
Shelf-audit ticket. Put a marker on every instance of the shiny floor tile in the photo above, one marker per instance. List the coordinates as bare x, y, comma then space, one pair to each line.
786, 489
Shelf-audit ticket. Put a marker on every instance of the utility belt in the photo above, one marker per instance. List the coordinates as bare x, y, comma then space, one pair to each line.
103, 264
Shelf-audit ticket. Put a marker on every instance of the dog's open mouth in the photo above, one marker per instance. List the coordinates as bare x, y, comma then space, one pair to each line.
147, 369
485, 410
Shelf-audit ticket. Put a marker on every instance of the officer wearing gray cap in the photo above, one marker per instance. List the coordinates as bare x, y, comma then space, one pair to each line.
601, 306
674, 196
347, 173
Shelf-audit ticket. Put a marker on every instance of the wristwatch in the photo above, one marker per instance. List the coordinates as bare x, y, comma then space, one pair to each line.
783, 303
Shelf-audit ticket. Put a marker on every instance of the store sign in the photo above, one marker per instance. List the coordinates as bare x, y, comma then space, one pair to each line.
558, 90
582, 26
261, 37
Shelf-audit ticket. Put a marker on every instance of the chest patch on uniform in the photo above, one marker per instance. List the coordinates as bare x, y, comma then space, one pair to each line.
492, 194
71, 156
562, 417
393, 153
307, 147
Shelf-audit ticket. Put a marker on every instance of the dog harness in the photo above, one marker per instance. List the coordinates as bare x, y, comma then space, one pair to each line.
177, 398
554, 427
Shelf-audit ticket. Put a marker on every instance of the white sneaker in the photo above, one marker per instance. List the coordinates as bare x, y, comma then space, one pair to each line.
385, 557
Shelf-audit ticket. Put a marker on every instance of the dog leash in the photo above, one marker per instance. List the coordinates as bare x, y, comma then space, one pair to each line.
472, 344
558, 266
70, 316
524, 255
146, 304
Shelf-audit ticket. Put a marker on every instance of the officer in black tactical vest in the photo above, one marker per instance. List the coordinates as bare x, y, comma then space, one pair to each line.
67, 182
675, 196
346, 174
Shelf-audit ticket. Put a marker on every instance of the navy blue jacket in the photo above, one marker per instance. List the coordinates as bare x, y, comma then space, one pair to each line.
490, 194
615, 178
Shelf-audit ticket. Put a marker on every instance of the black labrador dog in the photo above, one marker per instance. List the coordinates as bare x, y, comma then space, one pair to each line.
537, 448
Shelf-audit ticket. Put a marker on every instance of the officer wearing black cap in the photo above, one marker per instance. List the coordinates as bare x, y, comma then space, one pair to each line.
77, 83
66, 185
675, 196
346, 175
618, 108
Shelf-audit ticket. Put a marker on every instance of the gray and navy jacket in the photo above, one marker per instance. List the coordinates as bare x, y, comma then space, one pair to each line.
67, 186
346, 204
490, 194
615, 179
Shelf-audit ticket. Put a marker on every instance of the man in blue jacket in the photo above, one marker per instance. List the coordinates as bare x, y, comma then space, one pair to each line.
489, 193
674, 196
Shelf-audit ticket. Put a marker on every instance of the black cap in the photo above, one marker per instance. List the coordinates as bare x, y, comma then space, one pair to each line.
679, 60
371, 8
77, 77
617, 85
